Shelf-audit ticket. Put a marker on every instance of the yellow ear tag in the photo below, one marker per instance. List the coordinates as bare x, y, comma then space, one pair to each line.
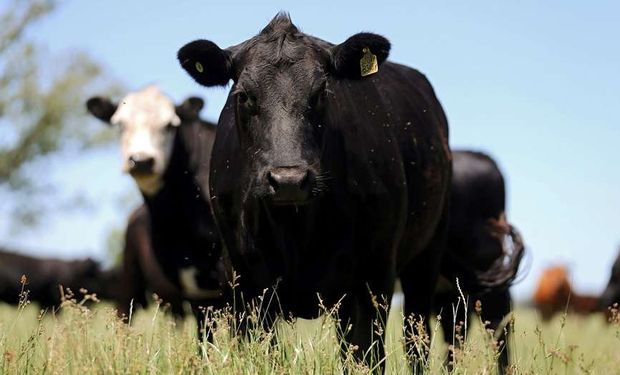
199, 67
368, 63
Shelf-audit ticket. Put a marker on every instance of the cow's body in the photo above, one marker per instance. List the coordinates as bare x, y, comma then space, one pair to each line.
172, 244
382, 208
45, 276
477, 254
376, 164
554, 294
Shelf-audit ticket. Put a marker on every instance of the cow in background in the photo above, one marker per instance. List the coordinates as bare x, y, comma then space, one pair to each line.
611, 294
554, 294
484, 249
45, 277
167, 150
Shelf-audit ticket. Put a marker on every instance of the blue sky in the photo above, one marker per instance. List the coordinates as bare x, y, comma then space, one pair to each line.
533, 83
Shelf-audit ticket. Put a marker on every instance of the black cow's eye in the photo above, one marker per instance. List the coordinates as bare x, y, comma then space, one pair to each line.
242, 98
317, 96
247, 102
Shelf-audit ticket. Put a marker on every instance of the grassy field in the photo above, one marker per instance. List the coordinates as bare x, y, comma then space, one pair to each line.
81, 340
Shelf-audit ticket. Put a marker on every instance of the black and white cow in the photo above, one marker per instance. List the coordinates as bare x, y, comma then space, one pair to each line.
330, 175
167, 151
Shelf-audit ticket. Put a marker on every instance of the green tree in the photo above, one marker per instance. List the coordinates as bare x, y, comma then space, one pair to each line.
41, 105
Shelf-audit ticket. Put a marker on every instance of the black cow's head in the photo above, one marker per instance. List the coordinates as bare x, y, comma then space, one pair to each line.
147, 120
281, 77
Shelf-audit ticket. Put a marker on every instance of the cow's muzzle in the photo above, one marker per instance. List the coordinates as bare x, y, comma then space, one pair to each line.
289, 185
140, 165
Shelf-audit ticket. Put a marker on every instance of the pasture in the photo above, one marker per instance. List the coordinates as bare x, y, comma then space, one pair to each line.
81, 340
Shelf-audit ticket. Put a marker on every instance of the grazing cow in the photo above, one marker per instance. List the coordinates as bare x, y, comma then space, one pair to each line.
46, 276
611, 294
330, 176
554, 294
478, 255
167, 151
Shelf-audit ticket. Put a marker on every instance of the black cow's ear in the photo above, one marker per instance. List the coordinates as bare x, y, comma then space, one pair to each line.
101, 108
207, 63
360, 55
190, 108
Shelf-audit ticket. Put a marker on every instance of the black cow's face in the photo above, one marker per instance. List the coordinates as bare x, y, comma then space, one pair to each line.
278, 111
281, 78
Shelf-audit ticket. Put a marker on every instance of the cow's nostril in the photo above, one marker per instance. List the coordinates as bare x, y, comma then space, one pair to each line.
289, 184
273, 180
141, 164
304, 180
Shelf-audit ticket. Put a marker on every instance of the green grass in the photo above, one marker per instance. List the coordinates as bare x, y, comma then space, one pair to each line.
79, 340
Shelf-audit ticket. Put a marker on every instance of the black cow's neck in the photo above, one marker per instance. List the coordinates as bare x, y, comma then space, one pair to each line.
180, 204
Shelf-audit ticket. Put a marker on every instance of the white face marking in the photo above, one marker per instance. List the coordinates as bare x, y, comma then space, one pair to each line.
144, 118
187, 277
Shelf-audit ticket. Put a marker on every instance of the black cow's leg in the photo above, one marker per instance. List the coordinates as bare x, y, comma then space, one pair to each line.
495, 307
362, 324
133, 290
204, 326
255, 317
418, 280
446, 303
176, 308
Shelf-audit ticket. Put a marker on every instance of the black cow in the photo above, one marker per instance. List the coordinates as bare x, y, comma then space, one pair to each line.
167, 151
484, 250
611, 294
46, 276
328, 180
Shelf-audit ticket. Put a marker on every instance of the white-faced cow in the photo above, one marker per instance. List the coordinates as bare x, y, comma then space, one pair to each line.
330, 175
167, 149
484, 250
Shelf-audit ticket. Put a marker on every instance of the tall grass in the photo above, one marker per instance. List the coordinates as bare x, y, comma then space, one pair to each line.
81, 339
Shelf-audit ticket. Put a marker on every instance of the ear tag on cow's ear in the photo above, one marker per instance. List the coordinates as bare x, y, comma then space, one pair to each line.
368, 63
199, 67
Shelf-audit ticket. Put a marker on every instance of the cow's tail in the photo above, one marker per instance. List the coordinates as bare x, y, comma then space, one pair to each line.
504, 270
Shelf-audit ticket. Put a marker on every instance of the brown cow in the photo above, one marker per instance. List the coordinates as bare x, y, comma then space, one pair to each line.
555, 294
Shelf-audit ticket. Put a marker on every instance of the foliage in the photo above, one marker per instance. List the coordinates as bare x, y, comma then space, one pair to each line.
42, 104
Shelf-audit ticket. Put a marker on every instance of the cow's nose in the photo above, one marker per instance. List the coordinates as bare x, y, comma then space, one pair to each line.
141, 164
289, 184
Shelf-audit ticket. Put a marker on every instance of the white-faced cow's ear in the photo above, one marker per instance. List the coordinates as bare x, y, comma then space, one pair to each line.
101, 108
206, 63
190, 108
360, 55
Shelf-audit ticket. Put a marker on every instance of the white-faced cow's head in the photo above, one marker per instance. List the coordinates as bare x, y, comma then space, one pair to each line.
147, 120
